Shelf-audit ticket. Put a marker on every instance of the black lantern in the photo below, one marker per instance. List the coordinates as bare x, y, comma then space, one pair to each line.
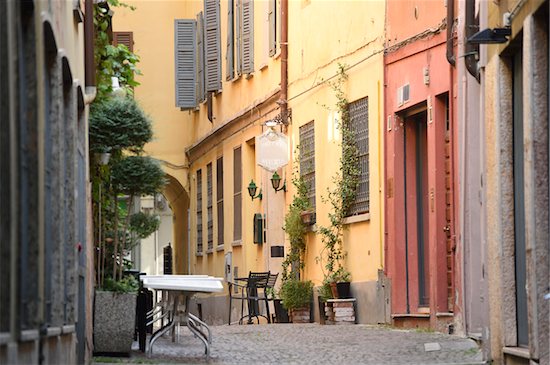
252, 190
276, 182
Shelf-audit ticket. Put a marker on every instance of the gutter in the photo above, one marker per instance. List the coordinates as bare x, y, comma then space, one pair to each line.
284, 62
450, 26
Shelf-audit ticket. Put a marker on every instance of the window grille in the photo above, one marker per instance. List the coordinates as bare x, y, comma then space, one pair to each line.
219, 199
210, 217
307, 159
199, 211
237, 194
359, 125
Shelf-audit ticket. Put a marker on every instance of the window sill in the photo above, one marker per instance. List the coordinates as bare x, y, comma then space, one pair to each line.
263, 66
357, 218
198, 254
209, 251
249, 76
517, 352
237, 243
220, 248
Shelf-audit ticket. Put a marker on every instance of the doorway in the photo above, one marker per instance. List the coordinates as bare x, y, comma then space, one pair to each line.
417, 206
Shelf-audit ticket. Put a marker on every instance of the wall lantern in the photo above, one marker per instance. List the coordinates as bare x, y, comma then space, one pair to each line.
491, 36
252, 191
276, 182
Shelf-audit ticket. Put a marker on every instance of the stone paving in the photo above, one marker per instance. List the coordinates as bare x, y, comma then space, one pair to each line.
313, 344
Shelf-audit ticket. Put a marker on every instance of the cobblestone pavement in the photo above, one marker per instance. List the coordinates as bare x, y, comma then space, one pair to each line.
313, 344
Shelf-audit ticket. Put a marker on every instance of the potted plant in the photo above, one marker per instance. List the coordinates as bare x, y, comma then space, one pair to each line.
296, 296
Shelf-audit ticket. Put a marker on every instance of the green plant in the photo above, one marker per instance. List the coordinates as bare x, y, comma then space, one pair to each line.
143, 225
111, 61
342, 195
296, 294
127, 284
295, 228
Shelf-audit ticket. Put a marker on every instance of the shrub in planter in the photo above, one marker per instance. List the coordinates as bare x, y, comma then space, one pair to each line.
296, 296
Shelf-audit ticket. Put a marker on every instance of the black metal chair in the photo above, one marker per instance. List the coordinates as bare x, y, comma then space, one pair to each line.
269, 294
251, 290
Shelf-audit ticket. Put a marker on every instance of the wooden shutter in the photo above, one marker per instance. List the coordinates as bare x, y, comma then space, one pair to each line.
199, 211
247, 36
212, 45
219, 199
237, 194
185, 31
239, 39
126, 38
209, 207
359, 124
201, 90
229, 54
272, 20
307, 159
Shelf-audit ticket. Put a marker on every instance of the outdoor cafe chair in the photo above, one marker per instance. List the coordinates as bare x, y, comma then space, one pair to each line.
251, 290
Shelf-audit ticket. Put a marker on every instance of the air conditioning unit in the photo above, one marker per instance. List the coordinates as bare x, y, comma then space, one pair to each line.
403, 94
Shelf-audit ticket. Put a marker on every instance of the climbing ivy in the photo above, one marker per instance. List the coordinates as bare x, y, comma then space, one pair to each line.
342, 195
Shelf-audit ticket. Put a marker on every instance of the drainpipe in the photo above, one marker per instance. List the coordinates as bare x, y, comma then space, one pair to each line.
89, 61
406, 215
471, 51
450, 26
284, 62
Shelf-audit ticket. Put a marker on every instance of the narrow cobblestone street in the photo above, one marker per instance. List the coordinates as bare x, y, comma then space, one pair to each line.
312, 344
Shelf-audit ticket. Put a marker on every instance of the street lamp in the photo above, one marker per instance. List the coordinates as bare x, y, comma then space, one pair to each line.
252, 191
276, 182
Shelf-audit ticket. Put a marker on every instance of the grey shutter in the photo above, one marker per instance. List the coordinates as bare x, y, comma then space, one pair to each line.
219, 198
272, 20
239, 36
229, 59
201, 92
209, 211
212, 45
185, 31
247, 36
237, 194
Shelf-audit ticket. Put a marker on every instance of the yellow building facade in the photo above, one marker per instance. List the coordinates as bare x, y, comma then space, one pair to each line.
213, 75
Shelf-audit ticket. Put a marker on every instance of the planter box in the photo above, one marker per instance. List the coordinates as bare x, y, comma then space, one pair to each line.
114, 321
300, 315
281, 314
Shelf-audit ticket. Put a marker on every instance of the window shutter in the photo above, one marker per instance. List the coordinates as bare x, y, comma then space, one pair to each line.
185, 31
126, 38
219, 198
272, 20
247, 36
230, 61
209, 207
201, 93
212, 45
239, 38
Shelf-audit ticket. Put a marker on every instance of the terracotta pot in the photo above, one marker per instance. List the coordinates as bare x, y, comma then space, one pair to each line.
334, 290
308, 217
300, 315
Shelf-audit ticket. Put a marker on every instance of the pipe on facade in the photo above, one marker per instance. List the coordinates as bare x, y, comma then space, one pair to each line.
450, 26
284, 61
471, 51
89, 61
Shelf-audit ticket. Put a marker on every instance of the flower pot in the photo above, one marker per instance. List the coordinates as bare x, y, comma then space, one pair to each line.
281, 314
344, 291
334, 290
114, 321
308, 217
300, 315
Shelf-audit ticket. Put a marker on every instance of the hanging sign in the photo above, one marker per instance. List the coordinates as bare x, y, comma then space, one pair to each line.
272, 150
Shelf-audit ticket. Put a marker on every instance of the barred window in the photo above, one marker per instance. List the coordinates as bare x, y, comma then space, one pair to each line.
209, 193
307, 159
199, 211
237, 194
359, 125
219, 199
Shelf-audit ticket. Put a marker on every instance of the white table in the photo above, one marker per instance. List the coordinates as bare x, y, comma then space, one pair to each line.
185, 286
